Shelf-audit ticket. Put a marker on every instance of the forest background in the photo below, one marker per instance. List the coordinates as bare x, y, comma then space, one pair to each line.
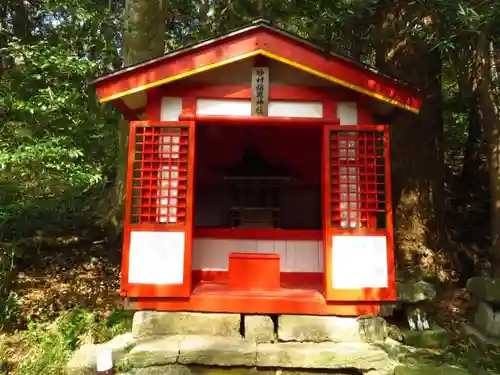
61, 152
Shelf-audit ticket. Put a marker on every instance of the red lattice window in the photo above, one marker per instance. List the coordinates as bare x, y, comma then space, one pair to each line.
357, 179
159, 176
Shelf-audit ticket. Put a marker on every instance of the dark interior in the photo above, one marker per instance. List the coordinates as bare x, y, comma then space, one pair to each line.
258, 177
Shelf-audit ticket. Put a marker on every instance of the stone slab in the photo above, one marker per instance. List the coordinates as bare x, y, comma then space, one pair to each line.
155, 352
361, 356
387, 309
259, 328
330, 328
372, 329
211, 370
485, 288
157, 323
204, 370
217, 351
413, 291
483, 341
487, 320
163, 370
428, 370
434, 338
83, 361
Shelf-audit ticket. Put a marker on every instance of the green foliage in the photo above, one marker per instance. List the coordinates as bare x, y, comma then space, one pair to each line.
47, 348
10, 311
57, 144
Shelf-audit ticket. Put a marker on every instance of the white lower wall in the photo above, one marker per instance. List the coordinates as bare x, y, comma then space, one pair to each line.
156, 258
348, 272
295, 255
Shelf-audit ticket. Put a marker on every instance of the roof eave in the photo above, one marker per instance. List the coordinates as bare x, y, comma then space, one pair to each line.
258, 24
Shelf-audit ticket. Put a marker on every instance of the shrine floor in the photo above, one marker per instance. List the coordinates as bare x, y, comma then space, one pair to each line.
211, 296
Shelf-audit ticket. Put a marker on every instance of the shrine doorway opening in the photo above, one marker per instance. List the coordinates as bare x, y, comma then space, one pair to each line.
258, 191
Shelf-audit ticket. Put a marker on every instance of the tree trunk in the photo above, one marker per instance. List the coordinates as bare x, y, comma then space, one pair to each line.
21, 25
418, 172
143, 39
489, 111
416, 153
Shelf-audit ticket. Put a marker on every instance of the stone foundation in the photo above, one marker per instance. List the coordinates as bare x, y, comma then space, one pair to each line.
157, 323
205, 344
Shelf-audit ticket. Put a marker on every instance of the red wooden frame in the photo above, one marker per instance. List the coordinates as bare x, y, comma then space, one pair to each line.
191, 92
259, 41
260, 234
256, 120
244, 91
363, 294
343, 302
218, 299
211, 293
149, 290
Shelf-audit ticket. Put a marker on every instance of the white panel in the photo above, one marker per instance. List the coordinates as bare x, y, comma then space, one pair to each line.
295, 255
227, 107
234, 107
295, 109
280, 248
171, 108
156, 258
359, 262
321, 261
347, 113
265, 246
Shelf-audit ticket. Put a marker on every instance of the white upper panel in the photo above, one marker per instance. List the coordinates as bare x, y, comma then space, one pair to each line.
347, 113
277, 108
228, 107
283, 108
171, 108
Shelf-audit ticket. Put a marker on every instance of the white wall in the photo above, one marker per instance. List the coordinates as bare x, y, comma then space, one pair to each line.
295, 255
371, 272
156, 258
277, 108
171, 108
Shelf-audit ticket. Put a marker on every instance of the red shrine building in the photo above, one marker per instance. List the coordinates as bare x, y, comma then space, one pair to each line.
259, 178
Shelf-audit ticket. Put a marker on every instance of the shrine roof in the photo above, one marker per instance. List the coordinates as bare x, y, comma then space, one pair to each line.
259, 38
